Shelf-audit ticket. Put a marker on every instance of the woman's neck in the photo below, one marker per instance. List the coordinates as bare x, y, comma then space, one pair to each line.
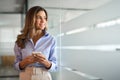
38, 35
38, 32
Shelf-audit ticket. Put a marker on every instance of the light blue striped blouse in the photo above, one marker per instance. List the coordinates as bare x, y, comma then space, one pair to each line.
46, 44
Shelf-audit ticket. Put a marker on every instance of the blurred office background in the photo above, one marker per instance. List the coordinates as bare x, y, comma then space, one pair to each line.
87, 34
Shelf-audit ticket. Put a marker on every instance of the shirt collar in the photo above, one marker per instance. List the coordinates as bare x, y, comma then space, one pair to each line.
46, 34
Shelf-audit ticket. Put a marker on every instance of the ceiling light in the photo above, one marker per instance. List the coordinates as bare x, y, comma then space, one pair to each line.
76, 31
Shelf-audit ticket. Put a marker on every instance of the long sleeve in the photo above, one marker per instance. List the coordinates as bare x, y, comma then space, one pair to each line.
53, 58
18, 57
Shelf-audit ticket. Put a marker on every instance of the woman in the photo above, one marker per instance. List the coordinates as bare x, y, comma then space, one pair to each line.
35, 48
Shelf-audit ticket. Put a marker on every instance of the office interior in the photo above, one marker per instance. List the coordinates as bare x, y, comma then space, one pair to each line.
86, 31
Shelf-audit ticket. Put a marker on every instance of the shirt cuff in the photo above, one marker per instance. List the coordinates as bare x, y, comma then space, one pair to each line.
18, 67
53, 67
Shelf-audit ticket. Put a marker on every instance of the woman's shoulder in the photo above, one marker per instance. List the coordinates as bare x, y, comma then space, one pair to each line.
49, 35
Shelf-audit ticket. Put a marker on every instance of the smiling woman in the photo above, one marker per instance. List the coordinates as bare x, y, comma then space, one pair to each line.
35, 39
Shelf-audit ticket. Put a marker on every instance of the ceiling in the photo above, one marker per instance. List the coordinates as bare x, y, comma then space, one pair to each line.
67, 9
17, 5
69, 4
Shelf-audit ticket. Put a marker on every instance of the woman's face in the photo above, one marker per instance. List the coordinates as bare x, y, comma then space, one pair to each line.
40, 20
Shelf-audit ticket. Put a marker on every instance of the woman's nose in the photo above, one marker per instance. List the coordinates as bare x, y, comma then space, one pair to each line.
43, 20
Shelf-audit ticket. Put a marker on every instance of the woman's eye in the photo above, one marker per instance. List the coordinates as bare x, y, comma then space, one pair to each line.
45, 18
38, 17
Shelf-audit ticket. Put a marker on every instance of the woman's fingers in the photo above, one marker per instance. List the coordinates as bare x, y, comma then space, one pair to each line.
41, 56
29, 59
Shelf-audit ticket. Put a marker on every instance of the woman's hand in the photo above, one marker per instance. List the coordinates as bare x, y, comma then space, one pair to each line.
42, 59
28, 60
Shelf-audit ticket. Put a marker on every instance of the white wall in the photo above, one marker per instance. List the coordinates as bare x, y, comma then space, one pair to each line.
92, 53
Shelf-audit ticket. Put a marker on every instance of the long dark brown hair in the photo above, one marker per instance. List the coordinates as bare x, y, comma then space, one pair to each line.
29, 28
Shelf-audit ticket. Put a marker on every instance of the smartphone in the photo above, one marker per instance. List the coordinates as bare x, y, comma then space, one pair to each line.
35, 53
